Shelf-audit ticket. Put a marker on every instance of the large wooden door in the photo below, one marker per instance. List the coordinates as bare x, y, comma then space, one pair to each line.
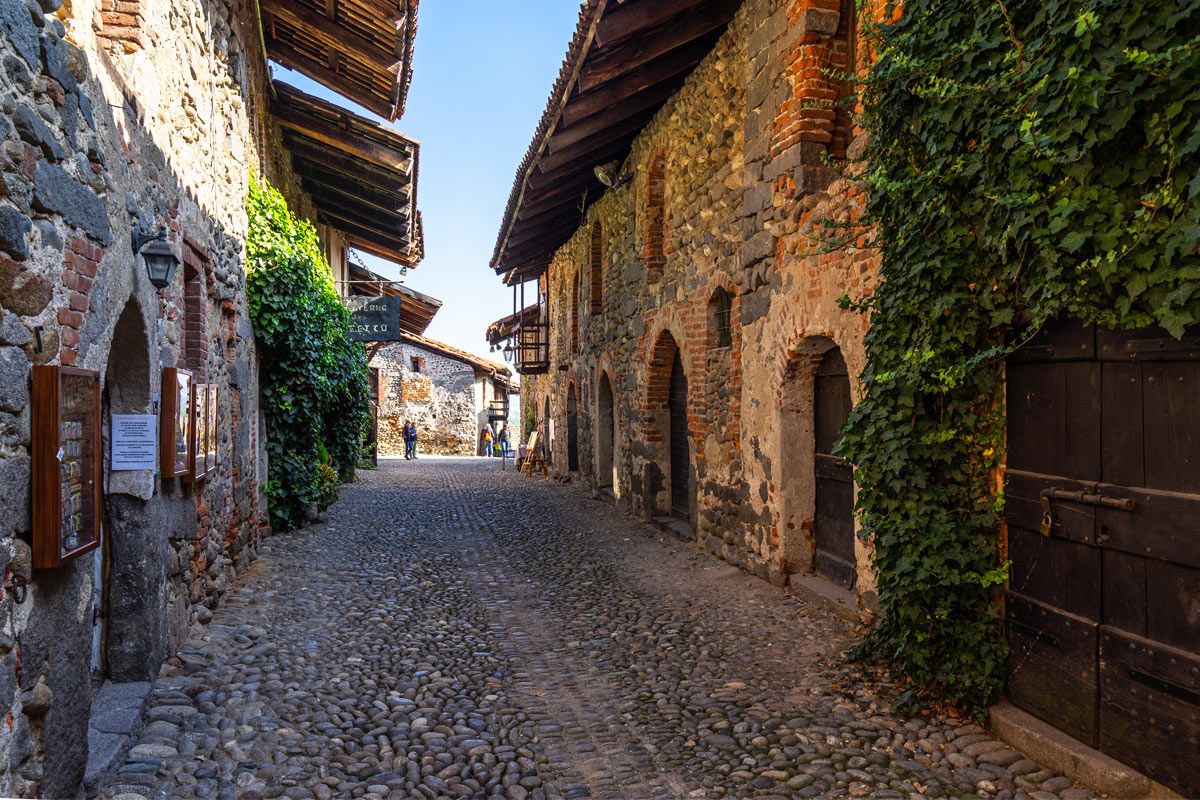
833, 529
680, 456
1103, 512
572, 430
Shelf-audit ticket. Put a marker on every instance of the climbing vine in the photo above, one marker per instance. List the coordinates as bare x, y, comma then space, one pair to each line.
1028, 160
313, 378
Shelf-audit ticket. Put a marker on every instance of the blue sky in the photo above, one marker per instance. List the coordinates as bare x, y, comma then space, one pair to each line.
481, 75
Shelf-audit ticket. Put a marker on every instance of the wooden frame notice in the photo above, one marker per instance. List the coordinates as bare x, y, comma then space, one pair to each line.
178, 416
67, 464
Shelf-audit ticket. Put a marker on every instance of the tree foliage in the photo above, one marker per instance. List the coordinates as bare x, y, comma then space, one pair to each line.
313, 378
1028, 160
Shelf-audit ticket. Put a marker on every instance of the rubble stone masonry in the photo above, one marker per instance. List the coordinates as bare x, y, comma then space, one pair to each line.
116, 115
732, 191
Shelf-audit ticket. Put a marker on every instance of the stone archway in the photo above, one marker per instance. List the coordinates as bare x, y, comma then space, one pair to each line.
572, 430
816, 489
605, 434
669, 482
132, 576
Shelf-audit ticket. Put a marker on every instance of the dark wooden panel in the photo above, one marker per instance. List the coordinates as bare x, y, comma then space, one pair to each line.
1059, 341
1052, 666
1173, 605
1060, 573
833, 530
1054, 419
1125, 592
1172, 425
1147, 344
1023, 505
1150, 709
1121, 432
572, 431
1162, 525
680, 455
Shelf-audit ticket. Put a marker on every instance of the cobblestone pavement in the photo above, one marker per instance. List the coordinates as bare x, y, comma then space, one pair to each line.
452, 630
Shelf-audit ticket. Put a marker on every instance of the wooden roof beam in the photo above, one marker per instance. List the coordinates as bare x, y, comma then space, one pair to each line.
676, 64
377, 201
352, 206
635, 16
318, 157
571, 169
340, 139
619, 130
401, 257
641, 51
349, 222
649, 100
292, 59
543, 232
331, 34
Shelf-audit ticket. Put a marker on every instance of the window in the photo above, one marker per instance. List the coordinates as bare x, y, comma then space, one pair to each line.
596, 267
194, 353
720, 308
417, 364
655, 254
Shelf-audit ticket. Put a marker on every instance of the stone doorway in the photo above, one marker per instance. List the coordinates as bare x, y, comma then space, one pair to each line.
605, 435
132, 582
816, 506
572, 430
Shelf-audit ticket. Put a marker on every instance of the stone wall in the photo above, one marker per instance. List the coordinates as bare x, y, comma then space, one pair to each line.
731, 192
443, 397
108, 120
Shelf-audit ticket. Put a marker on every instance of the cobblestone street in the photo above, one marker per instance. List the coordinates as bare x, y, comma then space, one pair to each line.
452, 630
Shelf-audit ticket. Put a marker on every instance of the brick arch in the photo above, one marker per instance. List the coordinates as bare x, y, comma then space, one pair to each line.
658, 374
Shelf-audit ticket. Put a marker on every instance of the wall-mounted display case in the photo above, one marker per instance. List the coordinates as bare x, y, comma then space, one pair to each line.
67, 463
201, 433
178, 415
210, 455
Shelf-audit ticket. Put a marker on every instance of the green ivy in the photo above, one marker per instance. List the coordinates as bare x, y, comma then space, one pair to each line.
1028, 160
313, 378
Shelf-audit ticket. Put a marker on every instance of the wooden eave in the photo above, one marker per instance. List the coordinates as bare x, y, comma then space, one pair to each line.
360, 175
416, 309
506, 328
361, 49
626, 60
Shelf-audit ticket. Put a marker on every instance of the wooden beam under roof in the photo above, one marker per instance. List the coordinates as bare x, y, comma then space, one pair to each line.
316, 157
601, 155
339, 138
369, 216
377, 202
616, 131
567, 225
648, 101
350, 223
638, 52
293, 59
334, 36
635, 17
403, 257
673, 67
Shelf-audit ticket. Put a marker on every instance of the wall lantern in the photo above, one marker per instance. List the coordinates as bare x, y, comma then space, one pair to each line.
610, 175
160, 260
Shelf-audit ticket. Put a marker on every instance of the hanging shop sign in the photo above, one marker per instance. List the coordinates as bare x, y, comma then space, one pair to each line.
66, 464
374, 319
134, 441
178, 416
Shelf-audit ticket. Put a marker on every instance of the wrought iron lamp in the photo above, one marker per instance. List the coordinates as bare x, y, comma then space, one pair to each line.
160, 259
609, 175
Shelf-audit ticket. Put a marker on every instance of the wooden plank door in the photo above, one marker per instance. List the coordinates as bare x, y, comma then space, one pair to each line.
680, 456
833, 530
1103, 607
572, 430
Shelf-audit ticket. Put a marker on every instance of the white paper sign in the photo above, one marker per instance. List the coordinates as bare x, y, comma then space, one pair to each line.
134, 437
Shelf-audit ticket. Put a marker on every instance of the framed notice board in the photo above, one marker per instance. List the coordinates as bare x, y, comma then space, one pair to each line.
67, 464
178, 416
210, 453
197, 463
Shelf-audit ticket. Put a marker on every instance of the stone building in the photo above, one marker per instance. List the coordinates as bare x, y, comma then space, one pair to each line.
675, 244
450, 394
686, 329
129, 118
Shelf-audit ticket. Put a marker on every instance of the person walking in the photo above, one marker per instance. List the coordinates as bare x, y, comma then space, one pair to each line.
406, 433
487, 441
503, 441
412, 438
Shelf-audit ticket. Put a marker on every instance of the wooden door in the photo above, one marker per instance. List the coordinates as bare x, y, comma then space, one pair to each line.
833, 529
572, 431
680, 456
1103, 603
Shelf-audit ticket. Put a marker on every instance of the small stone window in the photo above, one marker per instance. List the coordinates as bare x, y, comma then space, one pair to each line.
194, 355
655, 251
418, 364
720, 309
596, 267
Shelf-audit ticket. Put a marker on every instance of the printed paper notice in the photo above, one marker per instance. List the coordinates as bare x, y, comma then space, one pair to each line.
134, 437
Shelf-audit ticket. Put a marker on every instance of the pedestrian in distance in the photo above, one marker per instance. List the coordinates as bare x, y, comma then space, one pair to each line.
412, 437
487, 441
503, 441
406, 434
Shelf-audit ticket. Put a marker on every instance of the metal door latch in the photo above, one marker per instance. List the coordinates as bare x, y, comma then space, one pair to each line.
1055, 493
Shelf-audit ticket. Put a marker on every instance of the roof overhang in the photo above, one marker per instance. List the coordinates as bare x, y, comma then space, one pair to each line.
627, 58
361, 176
506, 328
416, 309
361, 49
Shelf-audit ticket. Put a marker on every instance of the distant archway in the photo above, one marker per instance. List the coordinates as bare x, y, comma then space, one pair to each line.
669, 481
605, 434
572, 430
